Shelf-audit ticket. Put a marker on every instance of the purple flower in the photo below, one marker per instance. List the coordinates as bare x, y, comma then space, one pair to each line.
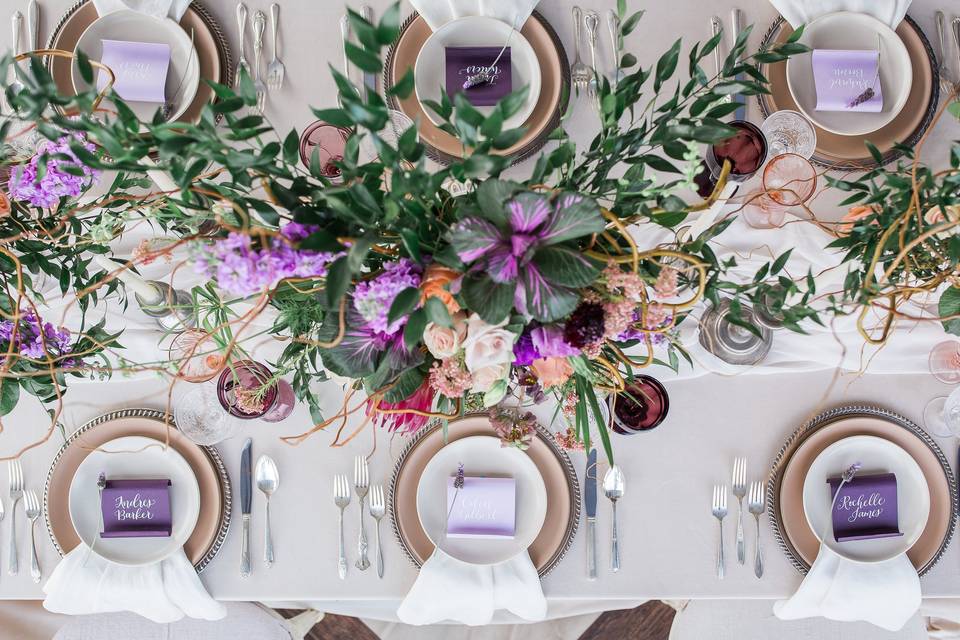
56, 183
372, 298
37, 340
549, 342
524, 351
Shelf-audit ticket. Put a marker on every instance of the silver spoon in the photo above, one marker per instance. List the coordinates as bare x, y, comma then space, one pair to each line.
614, 485
268, 479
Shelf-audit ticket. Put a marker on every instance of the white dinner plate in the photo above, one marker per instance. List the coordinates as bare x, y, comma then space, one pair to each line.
877, 456
482, 456
127, 458
477, 31
138, 27
858, 32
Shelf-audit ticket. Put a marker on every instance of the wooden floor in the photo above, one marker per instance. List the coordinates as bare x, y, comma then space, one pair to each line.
650, 621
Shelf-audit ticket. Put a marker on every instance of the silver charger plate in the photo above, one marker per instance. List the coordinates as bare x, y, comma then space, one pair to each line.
152, 414
828, 417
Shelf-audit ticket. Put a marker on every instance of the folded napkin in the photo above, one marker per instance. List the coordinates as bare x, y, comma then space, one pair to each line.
165, 591
448, 589
798, 12
886, 594
173, 9
439, 12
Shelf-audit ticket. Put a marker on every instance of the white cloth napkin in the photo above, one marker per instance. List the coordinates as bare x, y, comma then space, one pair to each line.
448, 589
439, 12
173, 9
163, 592
798, 12
885, 594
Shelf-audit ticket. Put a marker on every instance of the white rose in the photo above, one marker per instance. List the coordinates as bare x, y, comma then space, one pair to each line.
487, 344
445, 342
485, 378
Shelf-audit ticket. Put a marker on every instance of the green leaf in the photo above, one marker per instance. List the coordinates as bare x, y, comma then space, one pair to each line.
631, 23
9, 395
405, 302
84, 66
492, 196
437, 312
338, 280
565, 266
495, 394
493, 301
364, 60
404, 86
950, 306
779, 263
389, 27
407, 383
413, 330
666, 65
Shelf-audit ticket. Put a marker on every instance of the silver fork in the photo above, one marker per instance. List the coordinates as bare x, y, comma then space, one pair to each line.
579, 72
275, 70
15, 475
361, 482
739, 487
32, 504
757, 504
719, 507
242, 63
592, 22
259, 24
341, 497
942, 69
378, 508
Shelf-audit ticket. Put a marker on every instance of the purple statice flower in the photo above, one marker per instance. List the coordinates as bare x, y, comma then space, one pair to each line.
524, 351
549, 342
36, 339
242, 269
372, 298
56, 183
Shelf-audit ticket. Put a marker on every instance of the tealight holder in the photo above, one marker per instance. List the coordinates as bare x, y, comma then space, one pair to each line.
731, 342
172, 309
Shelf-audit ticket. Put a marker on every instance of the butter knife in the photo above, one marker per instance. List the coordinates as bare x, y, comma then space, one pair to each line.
246, 499
736, 18
590, 502
369, 79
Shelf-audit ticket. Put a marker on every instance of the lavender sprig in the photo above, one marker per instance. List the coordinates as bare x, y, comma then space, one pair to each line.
845, 478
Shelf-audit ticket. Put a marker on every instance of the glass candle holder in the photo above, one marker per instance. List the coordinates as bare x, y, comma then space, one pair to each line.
746, 151
246, 390
789, 132
642, 406
328, 142
731, 342
789, 180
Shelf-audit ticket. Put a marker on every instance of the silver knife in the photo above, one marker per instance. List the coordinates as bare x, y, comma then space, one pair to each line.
369, 79
246, 498
33, 25
590, 501
736, 18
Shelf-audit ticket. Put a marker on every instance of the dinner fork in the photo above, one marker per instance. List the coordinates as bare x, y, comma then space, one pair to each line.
579, 72
719, 507
378, 508
341, 497
15, 475
242, 64
757, 504
275, 70
259, 24
739, 487
592, 22
32, 504
361, 482
942, 68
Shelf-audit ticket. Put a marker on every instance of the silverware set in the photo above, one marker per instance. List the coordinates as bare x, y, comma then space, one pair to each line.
755, 494
273, 80
32, 509
947, 79
268, 481
614, 486
377, 507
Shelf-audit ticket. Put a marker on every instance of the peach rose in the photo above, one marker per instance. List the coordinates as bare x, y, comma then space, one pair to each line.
445, 342
436, 284
853, 214
552, 372
485, 378
4, 204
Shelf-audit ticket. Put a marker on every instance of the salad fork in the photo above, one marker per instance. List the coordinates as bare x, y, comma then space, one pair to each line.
739, 482
378, 508
757, 504
361, 482
579, 72
259, 24
32, 505
242, 64
592, 22
341, 497
15, 475
719, 508
275, 70
942, 68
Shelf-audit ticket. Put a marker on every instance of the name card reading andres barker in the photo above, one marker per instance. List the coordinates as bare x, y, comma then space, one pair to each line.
140, 69
483, 508
136, 509
865, 508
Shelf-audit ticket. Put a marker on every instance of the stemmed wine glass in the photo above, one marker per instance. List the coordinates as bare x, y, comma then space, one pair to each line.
789, 180
945, 361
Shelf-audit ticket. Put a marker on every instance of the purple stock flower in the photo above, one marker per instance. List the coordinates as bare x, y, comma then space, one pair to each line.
35, 339
56, 183
372, 298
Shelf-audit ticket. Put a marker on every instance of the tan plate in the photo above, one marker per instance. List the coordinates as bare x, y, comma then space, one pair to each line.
791, 470
849, 152
211, 51
554, 88
215, 503
563, 492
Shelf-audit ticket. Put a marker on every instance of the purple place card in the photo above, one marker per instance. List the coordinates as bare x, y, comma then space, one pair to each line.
137, 508
463, 62
483, 508
847, 80
140, 69
866, 508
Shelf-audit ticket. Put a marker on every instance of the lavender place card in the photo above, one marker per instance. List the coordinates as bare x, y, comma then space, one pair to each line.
866, 507
483, 508
136, 508
463, 62
140, 69
847, 80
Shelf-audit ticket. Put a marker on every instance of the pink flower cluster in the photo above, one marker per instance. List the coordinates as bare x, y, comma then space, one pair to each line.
450, 378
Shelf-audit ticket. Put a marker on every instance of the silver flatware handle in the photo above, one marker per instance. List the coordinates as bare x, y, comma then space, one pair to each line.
342, 561
268, 540
758, 557
275, 23
591, 548
245, 548
615, 542
613, 26
716, 27
16, 25
956, 34
577, 32
363, 563
259, 24
592, 22
345, 37
33, 24
721, 568
34, 561
741, 544
941, 22
241, 25
13, 567
379, 553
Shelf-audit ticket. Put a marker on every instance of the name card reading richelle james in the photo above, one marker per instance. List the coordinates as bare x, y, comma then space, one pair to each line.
866, 507
140, 69
463, 62
847, 80
136, 508
483, 508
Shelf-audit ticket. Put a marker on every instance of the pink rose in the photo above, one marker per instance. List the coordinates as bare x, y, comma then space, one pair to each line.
485, 378
445, 342
487, 345
552, 372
